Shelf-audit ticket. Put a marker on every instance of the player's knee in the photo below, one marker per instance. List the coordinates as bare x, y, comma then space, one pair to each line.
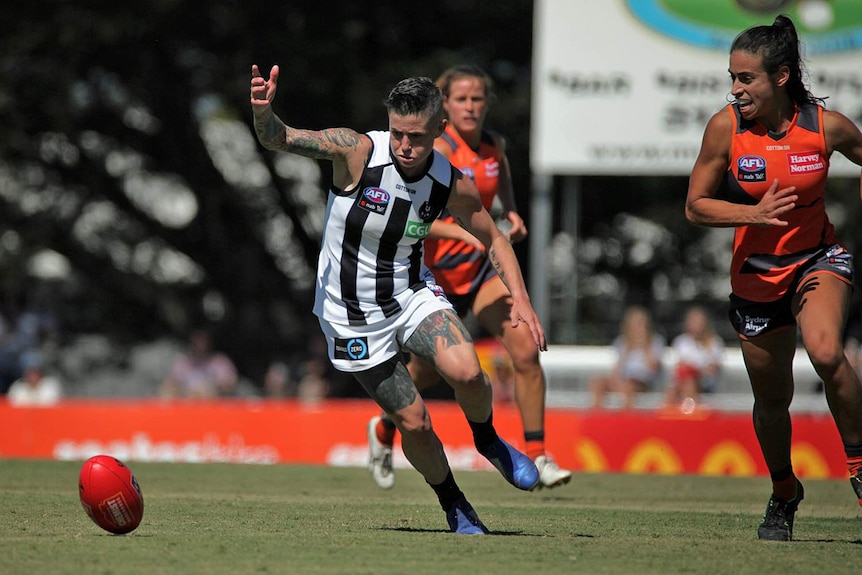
826, 356
467, 376
774, 402
528, 371
522, 349
770, 413
414, 421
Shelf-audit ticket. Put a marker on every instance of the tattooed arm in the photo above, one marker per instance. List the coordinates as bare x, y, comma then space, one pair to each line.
345, 148
466, 207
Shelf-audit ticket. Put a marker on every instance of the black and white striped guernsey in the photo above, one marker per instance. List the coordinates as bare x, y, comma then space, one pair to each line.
371, 258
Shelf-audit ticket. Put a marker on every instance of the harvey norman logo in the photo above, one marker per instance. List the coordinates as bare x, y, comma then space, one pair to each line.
805, 162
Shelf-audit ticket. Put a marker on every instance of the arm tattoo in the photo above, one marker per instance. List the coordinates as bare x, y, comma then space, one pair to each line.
270, 130
274, 134
492, 255
320, 145
442, 329
341, 137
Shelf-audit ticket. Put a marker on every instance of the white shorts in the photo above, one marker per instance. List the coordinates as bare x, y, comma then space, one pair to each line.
359, 347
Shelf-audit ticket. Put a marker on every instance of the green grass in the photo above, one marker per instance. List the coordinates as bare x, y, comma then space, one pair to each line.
237, 519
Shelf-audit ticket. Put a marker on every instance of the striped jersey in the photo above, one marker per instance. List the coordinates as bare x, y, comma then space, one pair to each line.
456, 264
371, 257
765, 258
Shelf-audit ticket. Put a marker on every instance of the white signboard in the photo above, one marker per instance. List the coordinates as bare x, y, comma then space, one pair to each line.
625, 87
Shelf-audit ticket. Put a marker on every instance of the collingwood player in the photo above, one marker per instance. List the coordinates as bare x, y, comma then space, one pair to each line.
375, 298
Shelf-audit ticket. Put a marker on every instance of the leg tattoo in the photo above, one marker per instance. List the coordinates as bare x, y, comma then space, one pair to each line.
443, 328
389, 384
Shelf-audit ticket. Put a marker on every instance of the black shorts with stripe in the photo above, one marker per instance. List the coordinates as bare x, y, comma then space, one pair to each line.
753, 318
463, 303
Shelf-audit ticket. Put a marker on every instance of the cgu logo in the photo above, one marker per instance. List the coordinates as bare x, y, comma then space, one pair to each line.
417, 230
751, 163
376, 195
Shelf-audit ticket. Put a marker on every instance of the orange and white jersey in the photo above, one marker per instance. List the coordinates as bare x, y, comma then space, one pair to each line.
765, 258
456, 264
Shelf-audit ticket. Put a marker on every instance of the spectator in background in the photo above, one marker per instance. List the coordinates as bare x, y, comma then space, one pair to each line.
277, 382
35, 387
313, 385
699, 353
639, 365
201, 371
308, 376
27, 333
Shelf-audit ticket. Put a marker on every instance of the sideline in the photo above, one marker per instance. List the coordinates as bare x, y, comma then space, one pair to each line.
333, 432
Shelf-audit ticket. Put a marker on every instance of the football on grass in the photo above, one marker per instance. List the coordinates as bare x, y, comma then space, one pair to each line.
110, 494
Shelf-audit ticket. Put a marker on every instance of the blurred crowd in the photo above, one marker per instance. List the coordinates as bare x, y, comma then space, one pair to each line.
640, 366
27, 343
31, 370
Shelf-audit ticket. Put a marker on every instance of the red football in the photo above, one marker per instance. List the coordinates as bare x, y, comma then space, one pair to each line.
110, 494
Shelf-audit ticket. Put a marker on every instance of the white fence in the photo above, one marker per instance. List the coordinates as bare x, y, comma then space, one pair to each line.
568, 369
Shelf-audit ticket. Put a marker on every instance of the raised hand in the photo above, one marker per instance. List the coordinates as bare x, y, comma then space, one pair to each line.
263, 90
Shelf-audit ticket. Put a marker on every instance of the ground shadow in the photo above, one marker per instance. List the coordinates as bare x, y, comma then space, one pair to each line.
498, 533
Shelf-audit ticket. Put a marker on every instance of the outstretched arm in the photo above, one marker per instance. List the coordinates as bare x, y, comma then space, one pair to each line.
466, 207
343, 146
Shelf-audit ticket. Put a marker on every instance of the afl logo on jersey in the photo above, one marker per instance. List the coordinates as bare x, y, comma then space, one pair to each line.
751, 169
375, 200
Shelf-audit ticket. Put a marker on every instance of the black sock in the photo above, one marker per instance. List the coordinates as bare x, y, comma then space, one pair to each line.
387, 422
534, 436
784, 483
781, 474
853, 449
447, 492
484, 434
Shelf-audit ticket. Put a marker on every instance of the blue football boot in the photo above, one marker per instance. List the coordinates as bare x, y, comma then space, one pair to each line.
517, 468
462, 519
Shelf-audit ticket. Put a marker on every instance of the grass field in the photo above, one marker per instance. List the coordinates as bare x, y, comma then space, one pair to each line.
238, 519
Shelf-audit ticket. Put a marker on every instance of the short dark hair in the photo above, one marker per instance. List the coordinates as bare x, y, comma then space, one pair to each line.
415, 97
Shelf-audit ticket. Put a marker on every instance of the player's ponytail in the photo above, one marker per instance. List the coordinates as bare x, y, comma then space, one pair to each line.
787, 48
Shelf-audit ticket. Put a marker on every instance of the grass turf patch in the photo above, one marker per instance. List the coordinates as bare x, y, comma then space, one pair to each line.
228, 518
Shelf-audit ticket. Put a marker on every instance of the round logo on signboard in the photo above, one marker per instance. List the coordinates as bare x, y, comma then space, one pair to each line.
826, 26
